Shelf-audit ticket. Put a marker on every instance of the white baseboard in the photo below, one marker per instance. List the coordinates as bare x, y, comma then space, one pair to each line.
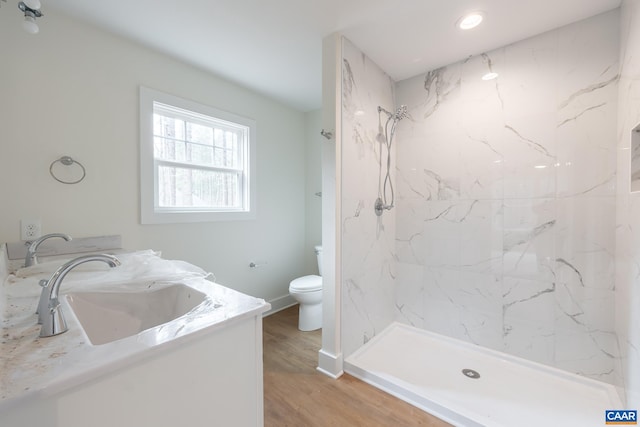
330, 364
280, 303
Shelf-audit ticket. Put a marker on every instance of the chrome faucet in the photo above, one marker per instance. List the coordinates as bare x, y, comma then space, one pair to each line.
31, 258
50, 316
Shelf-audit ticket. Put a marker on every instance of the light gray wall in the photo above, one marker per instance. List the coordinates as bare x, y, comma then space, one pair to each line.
73, 90
313, 169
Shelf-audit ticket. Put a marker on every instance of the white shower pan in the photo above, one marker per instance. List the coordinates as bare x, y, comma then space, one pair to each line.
426, 370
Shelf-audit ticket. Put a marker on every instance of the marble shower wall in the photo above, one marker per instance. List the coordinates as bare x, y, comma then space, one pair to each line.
628, 205
505, 233
367, 241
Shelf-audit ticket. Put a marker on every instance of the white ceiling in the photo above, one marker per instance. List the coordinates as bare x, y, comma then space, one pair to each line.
275, 46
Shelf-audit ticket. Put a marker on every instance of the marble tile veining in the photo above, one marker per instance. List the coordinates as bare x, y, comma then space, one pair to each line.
507, 199
368, 241
627, 242
506, 222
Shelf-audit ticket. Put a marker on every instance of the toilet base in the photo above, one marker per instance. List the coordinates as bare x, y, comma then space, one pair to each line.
310, 317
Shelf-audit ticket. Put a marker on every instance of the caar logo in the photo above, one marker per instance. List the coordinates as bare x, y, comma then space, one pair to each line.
621, 417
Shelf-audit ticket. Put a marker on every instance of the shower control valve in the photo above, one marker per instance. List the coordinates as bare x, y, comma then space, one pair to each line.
379, 207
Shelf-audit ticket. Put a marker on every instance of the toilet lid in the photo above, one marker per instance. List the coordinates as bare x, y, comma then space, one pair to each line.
306, 284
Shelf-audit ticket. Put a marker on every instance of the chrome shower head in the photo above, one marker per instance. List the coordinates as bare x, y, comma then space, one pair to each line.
400, 113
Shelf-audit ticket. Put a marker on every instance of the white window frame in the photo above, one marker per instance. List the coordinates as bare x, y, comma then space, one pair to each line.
150, 212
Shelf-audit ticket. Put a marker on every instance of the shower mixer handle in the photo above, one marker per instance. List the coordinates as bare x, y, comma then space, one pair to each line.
380, 206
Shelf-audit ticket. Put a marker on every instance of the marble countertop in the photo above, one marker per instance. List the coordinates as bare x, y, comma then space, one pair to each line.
31, 366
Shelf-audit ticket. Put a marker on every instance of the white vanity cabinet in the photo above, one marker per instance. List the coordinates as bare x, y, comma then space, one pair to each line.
202, 369
213, 380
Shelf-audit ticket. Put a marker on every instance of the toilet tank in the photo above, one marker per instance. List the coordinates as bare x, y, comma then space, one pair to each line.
318, 250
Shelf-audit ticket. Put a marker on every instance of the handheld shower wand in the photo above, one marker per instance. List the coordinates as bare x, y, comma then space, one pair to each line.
382, 202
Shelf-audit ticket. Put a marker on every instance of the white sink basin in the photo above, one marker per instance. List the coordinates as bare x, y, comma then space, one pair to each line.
110, 316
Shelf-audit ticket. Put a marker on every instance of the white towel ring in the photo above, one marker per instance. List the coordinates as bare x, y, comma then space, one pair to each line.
67, 161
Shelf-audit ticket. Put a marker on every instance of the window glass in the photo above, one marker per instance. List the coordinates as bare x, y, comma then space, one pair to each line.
200, 159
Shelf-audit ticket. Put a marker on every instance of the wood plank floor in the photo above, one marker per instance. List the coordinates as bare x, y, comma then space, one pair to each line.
298, 395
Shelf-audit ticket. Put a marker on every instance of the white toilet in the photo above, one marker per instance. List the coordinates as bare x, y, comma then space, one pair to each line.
307, 290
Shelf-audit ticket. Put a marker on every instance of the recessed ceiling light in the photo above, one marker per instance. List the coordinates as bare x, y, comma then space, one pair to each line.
470, 20
490, 76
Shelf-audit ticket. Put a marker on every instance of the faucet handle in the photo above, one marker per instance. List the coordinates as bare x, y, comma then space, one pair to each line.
54, 323
43, 302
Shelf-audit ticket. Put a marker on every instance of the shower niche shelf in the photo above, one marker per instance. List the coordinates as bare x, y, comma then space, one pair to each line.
635, 159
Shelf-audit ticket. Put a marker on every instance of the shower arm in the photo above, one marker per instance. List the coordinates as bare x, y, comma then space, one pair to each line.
382, 110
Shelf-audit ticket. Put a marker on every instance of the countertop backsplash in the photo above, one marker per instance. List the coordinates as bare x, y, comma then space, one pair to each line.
4, 272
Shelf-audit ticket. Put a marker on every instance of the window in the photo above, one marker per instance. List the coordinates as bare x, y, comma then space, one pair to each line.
197, 162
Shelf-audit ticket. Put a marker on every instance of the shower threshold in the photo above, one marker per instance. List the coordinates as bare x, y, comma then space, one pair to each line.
468, 385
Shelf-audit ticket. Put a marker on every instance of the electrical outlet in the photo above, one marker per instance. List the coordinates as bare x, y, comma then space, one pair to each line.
30, 229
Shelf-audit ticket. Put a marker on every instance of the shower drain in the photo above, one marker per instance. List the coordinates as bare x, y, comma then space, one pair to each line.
470, 373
